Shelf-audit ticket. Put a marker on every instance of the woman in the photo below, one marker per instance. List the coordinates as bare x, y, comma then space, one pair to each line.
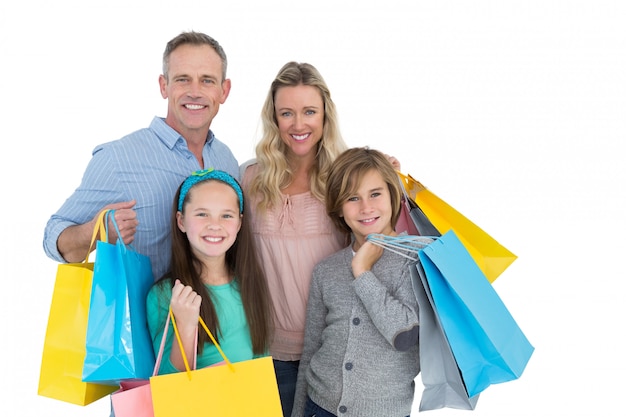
285, 185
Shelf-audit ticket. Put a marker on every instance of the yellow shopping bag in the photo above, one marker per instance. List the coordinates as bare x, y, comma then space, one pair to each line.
61, 371
246, 388
490, 256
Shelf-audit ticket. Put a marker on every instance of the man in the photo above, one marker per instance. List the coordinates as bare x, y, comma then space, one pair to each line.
138, 174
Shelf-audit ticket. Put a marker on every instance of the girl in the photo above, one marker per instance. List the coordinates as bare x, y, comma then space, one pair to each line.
215, 274
360, 354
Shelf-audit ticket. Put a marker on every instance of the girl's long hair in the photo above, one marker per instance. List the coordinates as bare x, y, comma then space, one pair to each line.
243, 263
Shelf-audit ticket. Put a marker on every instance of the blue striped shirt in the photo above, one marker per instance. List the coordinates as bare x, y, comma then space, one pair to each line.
148, 166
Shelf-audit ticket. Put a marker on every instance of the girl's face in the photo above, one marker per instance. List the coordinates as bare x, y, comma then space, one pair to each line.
300, 114
211, 218
369, 210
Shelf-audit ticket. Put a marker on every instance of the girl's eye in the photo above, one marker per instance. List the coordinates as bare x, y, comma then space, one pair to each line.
353, 198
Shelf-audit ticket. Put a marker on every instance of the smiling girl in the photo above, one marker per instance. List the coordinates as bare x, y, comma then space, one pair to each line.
214, 274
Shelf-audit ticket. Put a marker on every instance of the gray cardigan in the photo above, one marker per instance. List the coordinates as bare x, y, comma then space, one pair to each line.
361, 353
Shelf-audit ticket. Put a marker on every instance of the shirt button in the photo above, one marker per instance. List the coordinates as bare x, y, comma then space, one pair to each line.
356, 321
349, 366
343, 409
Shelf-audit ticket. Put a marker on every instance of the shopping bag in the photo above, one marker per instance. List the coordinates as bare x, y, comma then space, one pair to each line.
413, 221
118, 343
134, 397
60, 375
490, 256
246, 388
440, 374
488, 345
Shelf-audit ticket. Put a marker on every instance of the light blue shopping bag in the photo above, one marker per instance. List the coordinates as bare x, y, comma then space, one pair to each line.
488, 345
118, 343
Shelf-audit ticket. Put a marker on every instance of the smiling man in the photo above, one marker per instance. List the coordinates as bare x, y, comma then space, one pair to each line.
138, 174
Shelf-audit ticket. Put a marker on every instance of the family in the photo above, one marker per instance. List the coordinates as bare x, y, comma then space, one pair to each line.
271, 253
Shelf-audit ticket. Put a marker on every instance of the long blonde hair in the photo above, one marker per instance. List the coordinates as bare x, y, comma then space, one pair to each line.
271, 152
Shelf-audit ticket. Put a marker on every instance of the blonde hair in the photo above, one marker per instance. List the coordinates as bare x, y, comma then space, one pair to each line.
271, 152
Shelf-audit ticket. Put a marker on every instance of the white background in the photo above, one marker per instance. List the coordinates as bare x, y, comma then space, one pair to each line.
512, 111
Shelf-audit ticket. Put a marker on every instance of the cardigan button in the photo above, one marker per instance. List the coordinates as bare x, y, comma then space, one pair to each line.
356, 321
343, 409
349, 366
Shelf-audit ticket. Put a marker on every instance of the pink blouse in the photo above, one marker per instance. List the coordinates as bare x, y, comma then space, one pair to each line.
291, 240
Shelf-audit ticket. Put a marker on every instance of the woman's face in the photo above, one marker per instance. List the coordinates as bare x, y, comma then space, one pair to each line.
300, 114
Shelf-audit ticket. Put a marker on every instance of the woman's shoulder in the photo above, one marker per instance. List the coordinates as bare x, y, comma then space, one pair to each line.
248, 169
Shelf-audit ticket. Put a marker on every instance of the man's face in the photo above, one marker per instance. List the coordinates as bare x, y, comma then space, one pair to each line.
194, 89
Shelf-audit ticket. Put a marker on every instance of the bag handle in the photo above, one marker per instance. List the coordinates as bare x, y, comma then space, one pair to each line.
410, 185
159, 357
98, 230
182, 350
408, 243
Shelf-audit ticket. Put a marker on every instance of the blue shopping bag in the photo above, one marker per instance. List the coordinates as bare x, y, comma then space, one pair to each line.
118, 343
488, 345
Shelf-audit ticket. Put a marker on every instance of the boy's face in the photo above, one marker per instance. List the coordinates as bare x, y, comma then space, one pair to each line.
369, 210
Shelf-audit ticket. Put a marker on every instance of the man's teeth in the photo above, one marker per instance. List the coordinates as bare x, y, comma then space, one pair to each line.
194, 106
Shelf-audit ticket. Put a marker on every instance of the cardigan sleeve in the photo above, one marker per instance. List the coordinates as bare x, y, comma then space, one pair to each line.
394, 312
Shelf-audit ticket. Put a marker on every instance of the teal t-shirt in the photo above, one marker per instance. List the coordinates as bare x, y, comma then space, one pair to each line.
234, 337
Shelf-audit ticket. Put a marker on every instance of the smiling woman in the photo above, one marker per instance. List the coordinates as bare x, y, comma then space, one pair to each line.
285, 184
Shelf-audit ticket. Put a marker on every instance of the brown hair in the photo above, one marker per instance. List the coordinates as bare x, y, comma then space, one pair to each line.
345, 177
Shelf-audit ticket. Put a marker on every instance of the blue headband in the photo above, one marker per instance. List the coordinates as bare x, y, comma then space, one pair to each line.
209, 174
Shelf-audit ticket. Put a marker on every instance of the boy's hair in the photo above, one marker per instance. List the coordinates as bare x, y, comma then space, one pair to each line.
345, 177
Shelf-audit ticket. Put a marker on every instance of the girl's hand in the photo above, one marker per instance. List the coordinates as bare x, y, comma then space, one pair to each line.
185, 305
367, 255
